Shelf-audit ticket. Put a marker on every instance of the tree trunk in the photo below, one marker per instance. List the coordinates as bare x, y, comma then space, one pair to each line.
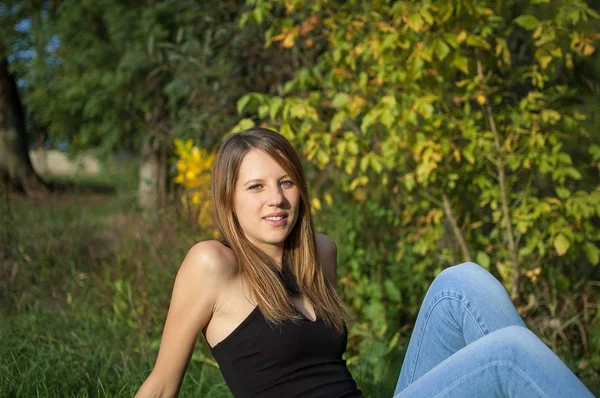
15, 164
149, 176
153, 170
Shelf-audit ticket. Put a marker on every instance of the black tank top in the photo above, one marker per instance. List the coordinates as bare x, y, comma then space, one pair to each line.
294, 359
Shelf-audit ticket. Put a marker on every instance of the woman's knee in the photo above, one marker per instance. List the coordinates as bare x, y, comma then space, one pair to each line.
468, 273
512, 342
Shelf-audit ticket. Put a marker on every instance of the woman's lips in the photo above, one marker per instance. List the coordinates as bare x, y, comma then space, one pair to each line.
276, 221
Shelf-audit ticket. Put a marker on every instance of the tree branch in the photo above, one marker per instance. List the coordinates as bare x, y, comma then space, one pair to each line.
455, 228
515, 272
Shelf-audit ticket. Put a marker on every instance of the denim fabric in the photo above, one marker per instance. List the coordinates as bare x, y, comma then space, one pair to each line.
469, 341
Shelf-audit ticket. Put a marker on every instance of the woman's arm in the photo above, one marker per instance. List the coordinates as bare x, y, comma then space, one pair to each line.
192, 303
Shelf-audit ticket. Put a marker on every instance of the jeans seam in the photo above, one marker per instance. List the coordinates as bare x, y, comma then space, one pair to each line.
445, 295
494, 363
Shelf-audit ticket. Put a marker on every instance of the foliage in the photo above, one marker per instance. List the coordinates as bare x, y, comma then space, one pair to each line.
109, 75
434, 132
451, 124
193, 173
89, 296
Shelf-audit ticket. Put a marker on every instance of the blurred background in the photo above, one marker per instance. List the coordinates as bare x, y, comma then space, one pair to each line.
433, 132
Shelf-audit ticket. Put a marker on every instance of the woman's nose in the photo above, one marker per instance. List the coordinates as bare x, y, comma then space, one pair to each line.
275, 197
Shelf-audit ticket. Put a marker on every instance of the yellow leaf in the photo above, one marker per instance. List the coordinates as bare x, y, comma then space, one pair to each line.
588, 49
457, 156
288, 42
316, 203
278, 37
481, 99
328, 199
545, 61
561, 244
569, 61
462, 36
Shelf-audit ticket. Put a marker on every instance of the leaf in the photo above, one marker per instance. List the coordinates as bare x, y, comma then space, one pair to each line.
316, 204
288, 42
478, 41
274, 108
340, 100
244, 124
462, 63
528, 22
392, 291
545, 61
592, 252
483, 259
561, 244
242, 102
562, 192
594, 150
442, 49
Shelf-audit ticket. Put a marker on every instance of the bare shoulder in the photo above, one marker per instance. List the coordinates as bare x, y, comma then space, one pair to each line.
327, 256
207, 268
211, 258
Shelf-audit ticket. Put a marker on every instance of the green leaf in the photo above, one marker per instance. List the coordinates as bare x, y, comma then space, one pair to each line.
461, 63
529, 22
594, 150
263, 110
563, 193
340, 100
477, 41
561, 244
275, 106
392, 291
441, 49
592, 252
242, 102
483, 259
244, 124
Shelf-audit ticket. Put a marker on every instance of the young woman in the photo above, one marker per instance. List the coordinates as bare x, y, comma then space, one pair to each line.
265, 300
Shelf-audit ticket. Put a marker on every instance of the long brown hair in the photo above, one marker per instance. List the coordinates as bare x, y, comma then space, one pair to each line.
260, 270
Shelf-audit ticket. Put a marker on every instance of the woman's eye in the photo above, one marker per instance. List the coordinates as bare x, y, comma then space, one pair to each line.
287, 183
254, 187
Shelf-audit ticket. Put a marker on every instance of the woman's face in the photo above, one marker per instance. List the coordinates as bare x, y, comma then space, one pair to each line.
266, 200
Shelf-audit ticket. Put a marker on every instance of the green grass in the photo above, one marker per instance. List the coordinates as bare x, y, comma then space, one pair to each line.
89, 280
85, 281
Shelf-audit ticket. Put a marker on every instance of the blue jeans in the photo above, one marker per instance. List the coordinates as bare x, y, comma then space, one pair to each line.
469, 341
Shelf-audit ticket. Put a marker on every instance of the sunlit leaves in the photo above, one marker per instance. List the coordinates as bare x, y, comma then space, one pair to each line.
561, 244
413, 102
193, 173
529, 22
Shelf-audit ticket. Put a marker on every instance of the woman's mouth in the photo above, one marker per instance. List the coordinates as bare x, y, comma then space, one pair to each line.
276, 221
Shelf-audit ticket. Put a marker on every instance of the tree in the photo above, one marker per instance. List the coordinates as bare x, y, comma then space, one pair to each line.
452, 125
137, 76
15, 165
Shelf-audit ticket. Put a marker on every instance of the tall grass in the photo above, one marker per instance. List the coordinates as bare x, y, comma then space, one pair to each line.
87, 280
86, 284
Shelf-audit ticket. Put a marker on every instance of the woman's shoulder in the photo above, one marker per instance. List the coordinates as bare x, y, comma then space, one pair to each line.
212, 258
325, 244
327, 256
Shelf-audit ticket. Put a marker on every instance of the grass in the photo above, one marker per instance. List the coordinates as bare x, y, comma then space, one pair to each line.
85, 281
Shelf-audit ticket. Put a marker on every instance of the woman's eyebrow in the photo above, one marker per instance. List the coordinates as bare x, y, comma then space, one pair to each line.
253, 180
